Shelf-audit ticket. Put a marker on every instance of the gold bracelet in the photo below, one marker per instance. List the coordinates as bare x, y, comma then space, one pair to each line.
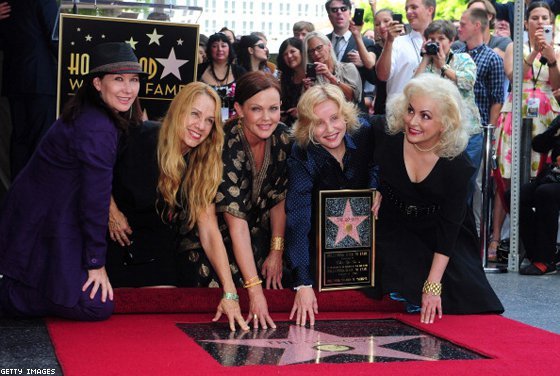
277, 243
249, 285
527, 63
432, 288
252, 279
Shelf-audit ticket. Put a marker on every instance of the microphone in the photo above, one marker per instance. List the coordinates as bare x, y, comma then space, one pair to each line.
543, 60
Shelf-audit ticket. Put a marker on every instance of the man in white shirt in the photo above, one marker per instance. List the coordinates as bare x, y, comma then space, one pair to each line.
401, 54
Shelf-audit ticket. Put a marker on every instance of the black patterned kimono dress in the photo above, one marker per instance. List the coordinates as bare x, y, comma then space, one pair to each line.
247, 194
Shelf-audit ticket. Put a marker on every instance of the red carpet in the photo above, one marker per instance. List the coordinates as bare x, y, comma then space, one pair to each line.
151, 344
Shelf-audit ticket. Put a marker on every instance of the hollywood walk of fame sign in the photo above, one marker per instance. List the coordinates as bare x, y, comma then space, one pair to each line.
345, 239
330, 341
167, 51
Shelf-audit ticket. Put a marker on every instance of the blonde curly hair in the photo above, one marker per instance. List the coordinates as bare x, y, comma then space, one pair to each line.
194, 181
454, 136
307, 120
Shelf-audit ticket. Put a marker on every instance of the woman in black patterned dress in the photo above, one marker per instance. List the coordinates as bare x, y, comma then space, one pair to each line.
250, 199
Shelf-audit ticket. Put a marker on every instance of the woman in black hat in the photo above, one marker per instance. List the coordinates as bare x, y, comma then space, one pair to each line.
54, 219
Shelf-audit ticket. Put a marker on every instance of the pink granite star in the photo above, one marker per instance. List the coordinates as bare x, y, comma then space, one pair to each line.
305, 344
348, 224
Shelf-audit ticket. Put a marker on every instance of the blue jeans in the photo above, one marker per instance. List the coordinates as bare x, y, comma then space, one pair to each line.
474, 151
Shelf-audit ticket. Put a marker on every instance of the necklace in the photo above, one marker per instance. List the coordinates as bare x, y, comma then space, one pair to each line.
425, 150
220, 82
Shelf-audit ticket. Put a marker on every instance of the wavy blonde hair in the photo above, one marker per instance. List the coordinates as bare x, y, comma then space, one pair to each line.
196, 181
444, 93
307, 120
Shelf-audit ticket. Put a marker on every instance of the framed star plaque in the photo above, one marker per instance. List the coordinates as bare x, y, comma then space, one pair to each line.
346, 239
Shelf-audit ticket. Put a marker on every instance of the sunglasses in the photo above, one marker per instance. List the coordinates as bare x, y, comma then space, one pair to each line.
262, 46
338, 9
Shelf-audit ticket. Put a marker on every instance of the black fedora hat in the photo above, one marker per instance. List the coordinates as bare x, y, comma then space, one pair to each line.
114, 57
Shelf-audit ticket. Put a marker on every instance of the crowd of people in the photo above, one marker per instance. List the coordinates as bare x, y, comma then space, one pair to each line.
222, 192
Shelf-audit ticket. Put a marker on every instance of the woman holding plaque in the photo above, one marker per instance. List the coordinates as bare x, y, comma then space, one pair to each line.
332, 151
250, 199
426, 240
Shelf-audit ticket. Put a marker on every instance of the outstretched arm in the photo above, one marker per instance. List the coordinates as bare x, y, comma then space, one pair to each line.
242, 249
431, 301
212, 242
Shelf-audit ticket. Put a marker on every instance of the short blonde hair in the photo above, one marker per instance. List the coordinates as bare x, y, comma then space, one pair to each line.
307, 120
454, 136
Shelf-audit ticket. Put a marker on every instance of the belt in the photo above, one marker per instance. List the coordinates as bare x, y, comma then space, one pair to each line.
409, 210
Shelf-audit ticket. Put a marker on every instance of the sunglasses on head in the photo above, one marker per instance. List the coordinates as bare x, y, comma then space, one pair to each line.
262, 46
338, 9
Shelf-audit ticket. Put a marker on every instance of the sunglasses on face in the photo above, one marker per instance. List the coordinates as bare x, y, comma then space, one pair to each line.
338, 9
262, 46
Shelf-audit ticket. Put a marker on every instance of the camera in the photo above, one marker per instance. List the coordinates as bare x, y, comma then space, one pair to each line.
431, 48
547, 30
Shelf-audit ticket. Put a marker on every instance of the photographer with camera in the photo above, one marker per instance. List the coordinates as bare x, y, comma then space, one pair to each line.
438, 58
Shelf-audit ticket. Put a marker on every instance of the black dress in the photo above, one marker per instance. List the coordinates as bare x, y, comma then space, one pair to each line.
244, 193
418, 219
135, 177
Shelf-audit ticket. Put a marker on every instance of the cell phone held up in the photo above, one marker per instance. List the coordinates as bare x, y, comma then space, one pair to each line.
547, 32
358, 16
397, 17
310, 71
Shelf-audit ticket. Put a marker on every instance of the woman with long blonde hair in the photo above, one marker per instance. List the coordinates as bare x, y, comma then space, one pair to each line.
189, 165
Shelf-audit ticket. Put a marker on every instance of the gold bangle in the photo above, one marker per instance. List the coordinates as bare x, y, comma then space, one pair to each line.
250, 280
249, 285
527, 63
432, 288
277, 243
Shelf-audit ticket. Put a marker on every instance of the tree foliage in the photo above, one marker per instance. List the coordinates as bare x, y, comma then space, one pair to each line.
445, 9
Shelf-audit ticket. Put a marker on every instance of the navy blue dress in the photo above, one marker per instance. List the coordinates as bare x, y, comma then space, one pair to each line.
313, 169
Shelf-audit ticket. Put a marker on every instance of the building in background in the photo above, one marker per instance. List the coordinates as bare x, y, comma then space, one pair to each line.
275, 18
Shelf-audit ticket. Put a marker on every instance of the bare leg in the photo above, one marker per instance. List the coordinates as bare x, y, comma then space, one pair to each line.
498, 218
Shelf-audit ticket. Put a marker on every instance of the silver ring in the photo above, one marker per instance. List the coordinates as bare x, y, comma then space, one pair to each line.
255, 316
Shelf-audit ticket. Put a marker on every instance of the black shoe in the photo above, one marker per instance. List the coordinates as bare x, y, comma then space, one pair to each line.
532, 269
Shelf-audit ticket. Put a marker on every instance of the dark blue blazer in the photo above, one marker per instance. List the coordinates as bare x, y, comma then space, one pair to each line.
30, 60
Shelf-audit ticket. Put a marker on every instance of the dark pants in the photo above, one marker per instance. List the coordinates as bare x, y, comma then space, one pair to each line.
19, 300
539, 227
32, 115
